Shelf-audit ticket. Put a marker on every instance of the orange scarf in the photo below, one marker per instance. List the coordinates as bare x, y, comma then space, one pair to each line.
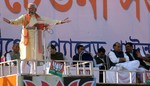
26, 33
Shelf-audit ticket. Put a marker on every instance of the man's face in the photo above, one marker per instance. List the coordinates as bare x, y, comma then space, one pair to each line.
117, 47
31, 9
129, 48
16, 48
51, 50
81, 49
101, 54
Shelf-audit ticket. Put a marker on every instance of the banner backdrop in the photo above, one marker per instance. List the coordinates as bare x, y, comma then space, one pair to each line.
94, 23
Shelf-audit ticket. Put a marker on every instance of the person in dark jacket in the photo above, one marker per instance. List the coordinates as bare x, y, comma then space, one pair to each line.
56, 55
102, 62
82, 55
135, 54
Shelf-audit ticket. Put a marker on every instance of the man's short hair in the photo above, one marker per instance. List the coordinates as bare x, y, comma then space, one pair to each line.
53, 47
129, 43
79, 46
15, 44
115, 44
101, 49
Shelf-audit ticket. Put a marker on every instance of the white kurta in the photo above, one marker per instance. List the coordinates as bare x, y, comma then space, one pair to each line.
30, 51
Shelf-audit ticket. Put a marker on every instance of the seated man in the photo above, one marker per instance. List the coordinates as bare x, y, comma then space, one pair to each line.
14, 54
136, 55
81, 55
120, 62
102, 59
101, 62
54, 55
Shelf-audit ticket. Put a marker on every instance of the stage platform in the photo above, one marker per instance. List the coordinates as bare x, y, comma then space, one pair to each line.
45, 80
98, 84
72, 75
45, 75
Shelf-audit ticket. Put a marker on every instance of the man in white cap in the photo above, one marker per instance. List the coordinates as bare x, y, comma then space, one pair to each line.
28, 50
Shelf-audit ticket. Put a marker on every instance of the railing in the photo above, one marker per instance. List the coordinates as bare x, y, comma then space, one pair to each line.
6, 68
131, 79
81, 68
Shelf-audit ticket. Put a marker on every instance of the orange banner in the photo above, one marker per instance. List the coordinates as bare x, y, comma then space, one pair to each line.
8, 81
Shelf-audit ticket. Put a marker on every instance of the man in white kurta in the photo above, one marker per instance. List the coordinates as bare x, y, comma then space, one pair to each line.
28, 50
121, 64
32, 50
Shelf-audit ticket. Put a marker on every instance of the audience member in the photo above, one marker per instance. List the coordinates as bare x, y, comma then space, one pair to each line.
136, 55
101, 62
82, 55
14, 54
120, 62
101, 58
116, 55
54, 55
80, 48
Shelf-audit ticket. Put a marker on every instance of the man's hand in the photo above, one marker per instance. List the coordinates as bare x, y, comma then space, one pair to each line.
66, 20
122, 59
6, 20
138, 54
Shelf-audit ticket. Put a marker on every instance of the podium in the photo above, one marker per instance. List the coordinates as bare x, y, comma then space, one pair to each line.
41, 26
39, 44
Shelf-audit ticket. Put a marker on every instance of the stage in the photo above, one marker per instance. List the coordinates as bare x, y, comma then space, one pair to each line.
65, 74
